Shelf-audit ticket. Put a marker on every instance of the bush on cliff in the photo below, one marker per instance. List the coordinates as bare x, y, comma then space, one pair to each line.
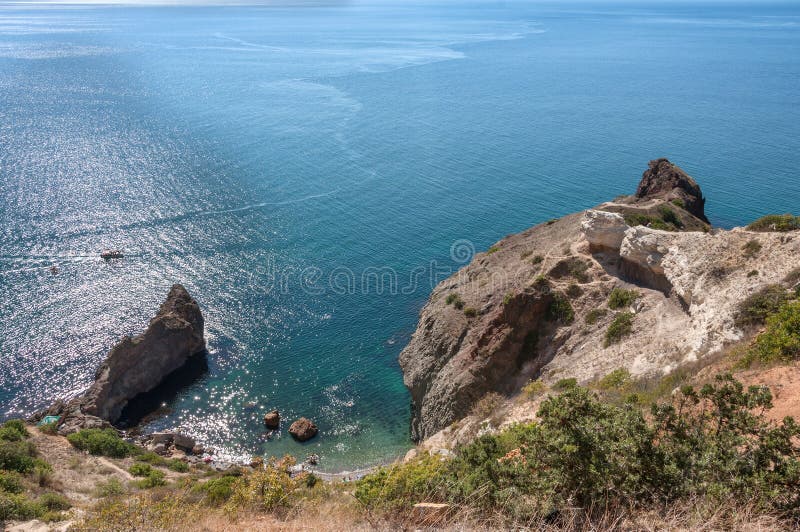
620, 327
755, 309
712, 444
103, 442
13, 430
776, 222
560, 310
621, 298
271, 487
780, 341
17, 456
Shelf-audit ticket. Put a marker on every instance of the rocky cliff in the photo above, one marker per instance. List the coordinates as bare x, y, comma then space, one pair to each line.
138, 364
536, 305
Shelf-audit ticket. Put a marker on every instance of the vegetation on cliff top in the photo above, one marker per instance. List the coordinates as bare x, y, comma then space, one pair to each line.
22, 470
776, 222
712, 444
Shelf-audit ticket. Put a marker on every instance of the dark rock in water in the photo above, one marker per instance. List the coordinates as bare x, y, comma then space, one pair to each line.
272, 420
137, 365
183, 442
303, 429
667, 181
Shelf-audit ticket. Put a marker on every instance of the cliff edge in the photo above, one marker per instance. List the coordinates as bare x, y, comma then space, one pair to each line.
537, 304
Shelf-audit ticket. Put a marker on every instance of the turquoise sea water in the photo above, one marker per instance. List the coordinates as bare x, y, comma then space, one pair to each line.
279, 161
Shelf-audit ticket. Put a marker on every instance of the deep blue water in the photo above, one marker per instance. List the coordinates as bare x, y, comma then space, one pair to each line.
257, 153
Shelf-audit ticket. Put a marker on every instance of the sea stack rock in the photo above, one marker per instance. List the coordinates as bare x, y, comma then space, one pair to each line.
138, 364
667, 181
303, 429
272, 420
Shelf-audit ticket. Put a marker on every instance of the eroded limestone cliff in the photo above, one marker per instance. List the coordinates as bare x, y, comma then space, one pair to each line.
537, 304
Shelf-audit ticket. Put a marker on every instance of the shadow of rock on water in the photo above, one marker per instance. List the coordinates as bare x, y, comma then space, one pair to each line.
144, 405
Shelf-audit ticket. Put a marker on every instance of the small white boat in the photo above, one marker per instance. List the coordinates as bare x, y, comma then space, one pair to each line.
111, 254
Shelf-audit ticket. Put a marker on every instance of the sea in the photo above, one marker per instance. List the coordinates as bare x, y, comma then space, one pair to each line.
310, 170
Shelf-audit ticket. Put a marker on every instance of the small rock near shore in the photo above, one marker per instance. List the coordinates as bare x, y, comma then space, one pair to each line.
184, 442
272, 420
303, 429
162, 437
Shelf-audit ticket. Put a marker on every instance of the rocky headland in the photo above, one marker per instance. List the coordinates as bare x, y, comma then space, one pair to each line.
137, 365
535, 306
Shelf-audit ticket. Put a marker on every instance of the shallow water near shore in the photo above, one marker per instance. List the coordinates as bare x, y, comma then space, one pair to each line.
309, 173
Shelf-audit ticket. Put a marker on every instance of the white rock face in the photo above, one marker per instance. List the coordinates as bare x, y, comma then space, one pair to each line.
690, 286
646, 247
604, 230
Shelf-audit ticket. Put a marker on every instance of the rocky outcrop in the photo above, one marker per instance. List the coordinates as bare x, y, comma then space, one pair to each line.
533, 294
666, 181
138, 365
272, 420
303, 429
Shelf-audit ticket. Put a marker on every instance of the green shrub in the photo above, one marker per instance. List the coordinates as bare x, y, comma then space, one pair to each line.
455, 300
565, 384
594, 315
179, 466
18, 507
620, 327
679, 203
753, 310
537, 259
669, 216
110, 488
140, 470
751, 248
507, 298
217, 491
618, 379
534, 388
10, 482
541, 282
574, 291
399, 487
151, 458
712, 444
752, 273
13, 430
560, 310
776, 222
269, 488
152, 477
493, 249
49, 428
780, 341
54, 502
17, 456
571, 267
621, 298
104, 442
667, 219
470, 312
